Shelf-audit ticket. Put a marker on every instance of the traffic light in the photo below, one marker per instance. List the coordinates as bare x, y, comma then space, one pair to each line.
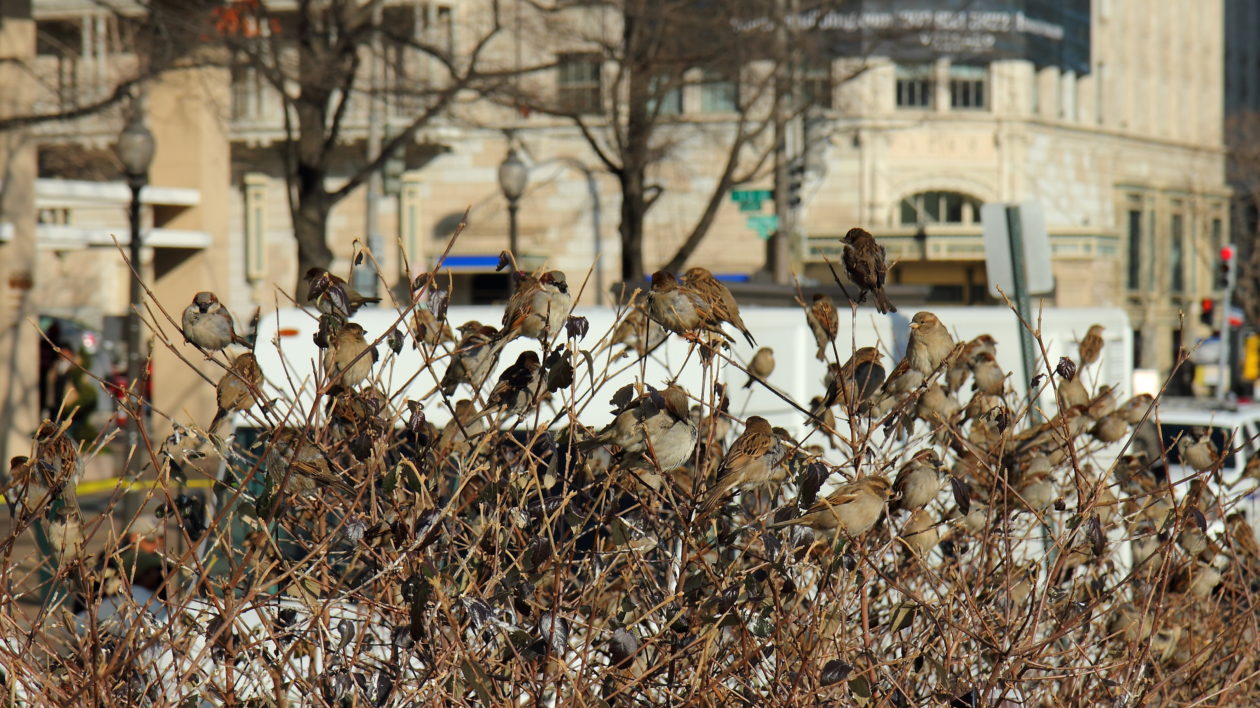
1227, 268
1207, 313
796, 178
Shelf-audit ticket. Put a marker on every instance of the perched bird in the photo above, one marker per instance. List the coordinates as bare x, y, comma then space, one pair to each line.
518, 387
350, 357
1073, 392
920, 533
1091, 345
761, 366
1135, 408
718, 297
1038, 489
987, 376
903, 380
930, 343
680, 309
935, 406
1240, 536
654, 430
538, 308
426, 328
65, 533
852, 508
208, 324
236, 388
918, 481
824, 322
858, 379
332, 295
822, 419
960, 368
1201, 454
1110, 428
637, 332
864, 264
753, 460
463, 426
53, 471
475, 357
297, 462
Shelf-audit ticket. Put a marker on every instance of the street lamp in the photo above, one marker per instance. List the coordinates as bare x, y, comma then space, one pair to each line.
513, 176
135, 152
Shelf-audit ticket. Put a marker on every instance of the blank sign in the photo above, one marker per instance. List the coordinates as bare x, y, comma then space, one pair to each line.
1038, 275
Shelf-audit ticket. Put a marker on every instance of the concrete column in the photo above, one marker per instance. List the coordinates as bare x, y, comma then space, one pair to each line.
19, 339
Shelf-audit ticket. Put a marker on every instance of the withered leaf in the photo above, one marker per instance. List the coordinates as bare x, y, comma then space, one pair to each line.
438, 302
1198, 518
812, 478
1098, 542
577, 326
505, 260
1036, 381
395, 340
1066, 368
834, 671
962, 494
622, 647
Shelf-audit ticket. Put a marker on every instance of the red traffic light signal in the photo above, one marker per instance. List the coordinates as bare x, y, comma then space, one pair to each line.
1227, 252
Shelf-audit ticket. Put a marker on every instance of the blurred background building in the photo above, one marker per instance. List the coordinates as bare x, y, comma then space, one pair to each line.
904, 117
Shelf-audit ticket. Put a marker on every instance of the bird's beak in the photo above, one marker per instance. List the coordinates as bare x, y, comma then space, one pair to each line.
914, 325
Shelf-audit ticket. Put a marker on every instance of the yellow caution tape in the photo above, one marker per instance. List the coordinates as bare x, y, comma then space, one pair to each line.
97, 486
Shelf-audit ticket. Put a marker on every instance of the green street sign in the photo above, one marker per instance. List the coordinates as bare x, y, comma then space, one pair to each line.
764, 225
750, 199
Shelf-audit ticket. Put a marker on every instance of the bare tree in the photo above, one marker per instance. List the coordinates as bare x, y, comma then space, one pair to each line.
633, 124
1242, 135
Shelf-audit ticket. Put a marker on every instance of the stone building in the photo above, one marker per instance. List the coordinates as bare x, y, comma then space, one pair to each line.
1106, 113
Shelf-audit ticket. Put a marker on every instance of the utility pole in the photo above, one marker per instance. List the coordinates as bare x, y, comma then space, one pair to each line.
777, 248
365, 279
1228, 279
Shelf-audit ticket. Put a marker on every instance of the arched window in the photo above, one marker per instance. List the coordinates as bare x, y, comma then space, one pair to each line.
939, 208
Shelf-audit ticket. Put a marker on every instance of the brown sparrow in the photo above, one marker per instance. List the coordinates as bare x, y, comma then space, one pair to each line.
538, 308
474, 358
753, 460
208, 324
332, 295
1038, 490
518, 388
236, 388
920, 533
1073, 392
678, 308
1110, 428
864, 264
1201, 454
1135, 408
65, 533
930, 343
824, 322
987, 375
852, 508
822, 419
903, 380
859, 379
761, 366
425, 328
637, 332
465, 424
935, 406
54, 470
961, 367
656, 424
342, 359
918, 481
1091, 345
718, 297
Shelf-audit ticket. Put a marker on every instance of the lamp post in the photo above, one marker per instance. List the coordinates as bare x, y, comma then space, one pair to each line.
135, 152
513, 176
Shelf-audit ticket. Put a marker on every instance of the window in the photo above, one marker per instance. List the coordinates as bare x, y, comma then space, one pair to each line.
666, 98
579, 85
719, 93
967, 86
815, 84
1218, 235
939, 208
1177, 255
247, 93
1135, 249
915, 86
256, 226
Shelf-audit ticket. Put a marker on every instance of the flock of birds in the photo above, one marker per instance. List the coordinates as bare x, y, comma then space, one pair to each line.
975, 447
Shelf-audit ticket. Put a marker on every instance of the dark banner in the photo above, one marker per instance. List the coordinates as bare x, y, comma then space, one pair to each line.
1045, 32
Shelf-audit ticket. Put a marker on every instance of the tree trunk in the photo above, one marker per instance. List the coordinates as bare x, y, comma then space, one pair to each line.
310, 228
632, 212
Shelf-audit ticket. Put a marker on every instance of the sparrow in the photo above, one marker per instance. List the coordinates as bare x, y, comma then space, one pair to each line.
987, 376
655, 425
930, 343
538, 308
824, 322
1201, 454
822, 419
680, 309
474, 358
464, 425
753, 460
1091, 345
637, 332
918, 481
920, 533
761, 366
1241, 538
1134, 410
297, 461
332, 295
1038, 490
1110, 428
425, 328
236, 388
208, 324
718, 297
1073, 392
342, 360
864, 264
65, 533
935, 406
858, 379
852, 508
518, 387
961, 367
52, 472
903, 380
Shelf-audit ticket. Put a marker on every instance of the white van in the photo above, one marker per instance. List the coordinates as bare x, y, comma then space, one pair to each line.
288, 355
